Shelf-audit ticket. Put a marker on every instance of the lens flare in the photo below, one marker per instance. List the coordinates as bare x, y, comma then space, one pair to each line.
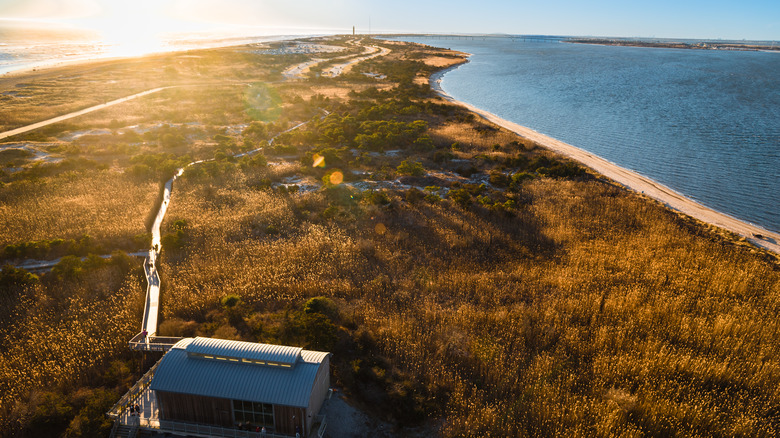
319, 161
336, 178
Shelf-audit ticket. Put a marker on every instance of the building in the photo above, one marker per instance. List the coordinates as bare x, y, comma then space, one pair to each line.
228, 385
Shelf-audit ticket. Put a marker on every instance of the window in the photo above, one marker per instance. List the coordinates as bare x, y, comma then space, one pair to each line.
258, 414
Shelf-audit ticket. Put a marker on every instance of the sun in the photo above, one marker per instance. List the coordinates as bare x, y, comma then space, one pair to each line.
133, 28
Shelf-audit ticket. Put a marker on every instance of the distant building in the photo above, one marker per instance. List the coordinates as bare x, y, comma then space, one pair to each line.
230, 385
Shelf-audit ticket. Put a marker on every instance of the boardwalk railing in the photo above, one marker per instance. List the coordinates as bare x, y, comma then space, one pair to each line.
323, 425
152, 343
132, 395
205, 430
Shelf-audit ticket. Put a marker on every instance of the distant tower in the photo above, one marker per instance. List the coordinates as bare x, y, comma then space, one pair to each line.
353, 30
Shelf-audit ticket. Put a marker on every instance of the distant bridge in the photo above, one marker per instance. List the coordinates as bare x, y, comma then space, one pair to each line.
514, 38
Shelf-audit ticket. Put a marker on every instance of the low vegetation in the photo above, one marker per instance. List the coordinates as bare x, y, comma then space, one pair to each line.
467, 281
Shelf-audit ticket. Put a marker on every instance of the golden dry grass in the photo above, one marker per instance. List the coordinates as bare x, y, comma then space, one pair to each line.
473, 140
63, 336
104, 204
585, 311
591, 313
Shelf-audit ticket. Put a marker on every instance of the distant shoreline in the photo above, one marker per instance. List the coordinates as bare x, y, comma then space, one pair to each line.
31, 65
755, 234
703, 45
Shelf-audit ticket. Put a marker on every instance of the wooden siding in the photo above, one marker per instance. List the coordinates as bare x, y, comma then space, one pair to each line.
219, 412
195, 409
286, 418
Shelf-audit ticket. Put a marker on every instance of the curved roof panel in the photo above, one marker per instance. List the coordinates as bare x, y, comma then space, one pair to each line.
184, 373
245, 350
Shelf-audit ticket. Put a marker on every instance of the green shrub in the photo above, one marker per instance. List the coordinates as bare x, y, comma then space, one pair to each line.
376, 197
91, 420
411, 168
424, 143
414, 195
256, 130
322, 305
230, 301
499, 179
51, 416
69, 268
461, 197
519, 178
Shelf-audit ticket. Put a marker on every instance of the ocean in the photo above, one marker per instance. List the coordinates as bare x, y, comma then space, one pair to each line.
23, 47
705, 123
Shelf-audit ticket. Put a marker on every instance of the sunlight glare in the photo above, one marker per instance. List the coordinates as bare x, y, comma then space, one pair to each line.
133, 28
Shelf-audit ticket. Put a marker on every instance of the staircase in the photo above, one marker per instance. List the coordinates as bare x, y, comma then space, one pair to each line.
123, 431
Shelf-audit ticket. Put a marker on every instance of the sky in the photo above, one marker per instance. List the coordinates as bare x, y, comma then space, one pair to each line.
697, 19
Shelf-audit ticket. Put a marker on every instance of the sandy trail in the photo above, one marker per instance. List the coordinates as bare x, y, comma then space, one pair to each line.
298, 70
755, 234
27, 128
372, 52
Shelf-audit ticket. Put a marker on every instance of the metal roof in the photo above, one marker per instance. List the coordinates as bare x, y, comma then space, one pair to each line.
313, 356
245, 350
180, 372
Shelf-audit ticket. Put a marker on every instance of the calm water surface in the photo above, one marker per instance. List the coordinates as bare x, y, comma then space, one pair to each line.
705, 123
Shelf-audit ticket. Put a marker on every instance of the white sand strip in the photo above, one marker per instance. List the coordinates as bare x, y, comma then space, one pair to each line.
632, 180
77, 113
298, 70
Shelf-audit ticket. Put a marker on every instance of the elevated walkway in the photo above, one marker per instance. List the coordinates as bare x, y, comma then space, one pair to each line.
140, 342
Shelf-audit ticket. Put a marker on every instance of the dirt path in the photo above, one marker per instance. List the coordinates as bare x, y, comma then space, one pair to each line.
299, 70
27, 128
373, 52
756, 235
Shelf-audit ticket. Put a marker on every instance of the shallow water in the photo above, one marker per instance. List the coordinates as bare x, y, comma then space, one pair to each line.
705, 123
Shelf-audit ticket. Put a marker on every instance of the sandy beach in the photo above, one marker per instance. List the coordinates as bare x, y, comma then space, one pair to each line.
641, 184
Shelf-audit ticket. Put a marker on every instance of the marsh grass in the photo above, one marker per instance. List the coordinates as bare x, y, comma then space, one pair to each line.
590, 312
62, 336
109, 207
585, 311
576, 309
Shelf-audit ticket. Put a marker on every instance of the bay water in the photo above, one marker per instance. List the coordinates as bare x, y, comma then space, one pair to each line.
705, 123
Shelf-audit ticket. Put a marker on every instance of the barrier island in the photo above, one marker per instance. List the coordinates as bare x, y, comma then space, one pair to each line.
468, 281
